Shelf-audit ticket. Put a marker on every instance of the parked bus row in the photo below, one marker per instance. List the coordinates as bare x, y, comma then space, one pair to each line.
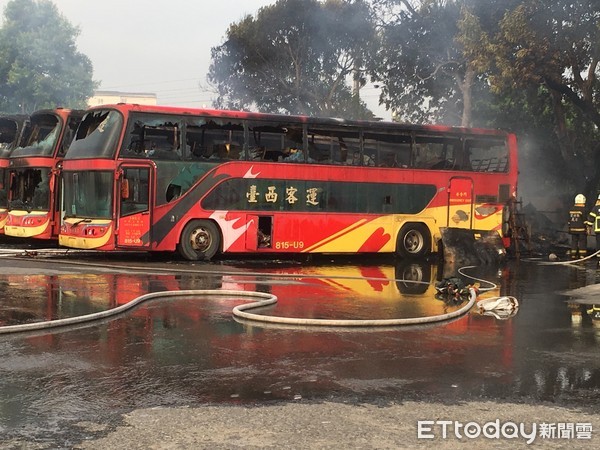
30, 151
202, 182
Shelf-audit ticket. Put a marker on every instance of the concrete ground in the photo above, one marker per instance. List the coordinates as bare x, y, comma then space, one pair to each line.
338, 425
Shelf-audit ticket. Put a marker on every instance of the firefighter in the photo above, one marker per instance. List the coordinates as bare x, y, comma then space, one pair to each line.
593, 224
577, 228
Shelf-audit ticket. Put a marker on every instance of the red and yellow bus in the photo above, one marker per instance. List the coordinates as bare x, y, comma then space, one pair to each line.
204, 181
11, 130
33, 197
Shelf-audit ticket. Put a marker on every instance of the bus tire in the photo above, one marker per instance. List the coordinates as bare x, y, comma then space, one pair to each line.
200, 239
414, 241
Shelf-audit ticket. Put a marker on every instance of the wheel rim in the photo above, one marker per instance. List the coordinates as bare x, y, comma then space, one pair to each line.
413, 241
200, 239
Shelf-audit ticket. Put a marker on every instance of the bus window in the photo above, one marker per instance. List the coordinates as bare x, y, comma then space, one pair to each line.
276, 142
41, 136
8, 136
433, 152
69, 134
30, 189
333, 146
88, 193
387, 149
97, 135
153, 136
487, 155
136, 199
215, 139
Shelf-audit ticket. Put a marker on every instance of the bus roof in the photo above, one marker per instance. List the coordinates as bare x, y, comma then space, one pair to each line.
63, 112
310, 120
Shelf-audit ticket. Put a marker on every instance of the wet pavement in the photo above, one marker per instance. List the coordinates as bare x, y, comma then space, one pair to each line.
190, 351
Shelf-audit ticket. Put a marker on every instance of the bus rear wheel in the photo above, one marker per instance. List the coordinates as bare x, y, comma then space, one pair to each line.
413, 241
200, 239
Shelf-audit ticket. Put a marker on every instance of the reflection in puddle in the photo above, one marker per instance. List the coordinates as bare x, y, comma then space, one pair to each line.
339, 292
35, 298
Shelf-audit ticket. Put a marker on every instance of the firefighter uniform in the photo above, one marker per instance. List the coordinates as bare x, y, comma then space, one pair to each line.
577, 228
593, 222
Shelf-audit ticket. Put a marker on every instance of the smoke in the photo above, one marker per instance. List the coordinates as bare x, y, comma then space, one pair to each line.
540, 183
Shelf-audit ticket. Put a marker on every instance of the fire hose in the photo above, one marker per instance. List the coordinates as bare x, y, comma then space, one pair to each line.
260, 300
573, 261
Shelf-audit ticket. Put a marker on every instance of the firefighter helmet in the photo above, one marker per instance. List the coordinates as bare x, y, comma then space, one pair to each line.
580, 198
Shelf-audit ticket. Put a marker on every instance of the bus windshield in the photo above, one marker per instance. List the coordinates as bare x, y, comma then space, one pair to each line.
41, 136
97, 135
9, 130
30, 189
88, 194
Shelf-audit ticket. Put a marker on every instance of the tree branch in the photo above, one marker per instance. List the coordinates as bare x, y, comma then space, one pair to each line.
585, 106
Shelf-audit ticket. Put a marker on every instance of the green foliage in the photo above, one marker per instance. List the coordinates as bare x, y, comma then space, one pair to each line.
527, 65
40, 66
295, 56
434, 57
556, 45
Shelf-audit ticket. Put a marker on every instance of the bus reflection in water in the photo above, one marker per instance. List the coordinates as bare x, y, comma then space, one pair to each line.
203, 182
34, 298
166, 343
405, 289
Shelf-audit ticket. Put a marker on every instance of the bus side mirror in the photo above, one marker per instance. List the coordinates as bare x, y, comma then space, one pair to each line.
124, 189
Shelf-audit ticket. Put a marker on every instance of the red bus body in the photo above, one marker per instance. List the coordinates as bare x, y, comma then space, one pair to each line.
34, 167
232, 182
11, 131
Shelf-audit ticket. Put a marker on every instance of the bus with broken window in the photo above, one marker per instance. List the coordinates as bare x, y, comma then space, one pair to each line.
11, 130
202, 182
33, 171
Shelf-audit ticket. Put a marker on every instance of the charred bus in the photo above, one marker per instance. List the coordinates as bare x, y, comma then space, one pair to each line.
34, 168
201, 181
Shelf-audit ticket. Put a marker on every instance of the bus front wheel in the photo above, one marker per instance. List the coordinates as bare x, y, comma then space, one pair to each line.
200, 239
413, 241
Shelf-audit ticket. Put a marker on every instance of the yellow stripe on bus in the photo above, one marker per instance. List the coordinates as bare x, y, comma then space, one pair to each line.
25, 232
86, 243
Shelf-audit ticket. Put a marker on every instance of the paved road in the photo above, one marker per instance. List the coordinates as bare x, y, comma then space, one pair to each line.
185, 375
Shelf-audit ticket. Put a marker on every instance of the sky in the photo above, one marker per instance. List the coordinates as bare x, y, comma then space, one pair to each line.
146, 46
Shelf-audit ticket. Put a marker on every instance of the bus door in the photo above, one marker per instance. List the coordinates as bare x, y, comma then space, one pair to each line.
460, 203
258, 234
134, 190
